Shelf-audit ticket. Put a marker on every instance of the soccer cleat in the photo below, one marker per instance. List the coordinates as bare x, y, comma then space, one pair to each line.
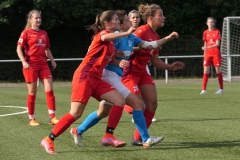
203, 92
77, 138
53, 121
154, 120
111, 141
220, 91
152, 141
33, 122
136, 142
48, 145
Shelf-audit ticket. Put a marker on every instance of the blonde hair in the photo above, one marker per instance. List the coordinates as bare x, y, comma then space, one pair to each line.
29, 16
214, 21
147, 10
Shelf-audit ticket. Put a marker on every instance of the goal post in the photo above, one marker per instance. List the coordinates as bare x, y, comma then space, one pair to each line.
230, 48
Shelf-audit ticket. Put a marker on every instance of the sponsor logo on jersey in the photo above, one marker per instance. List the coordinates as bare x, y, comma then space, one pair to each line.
40, 43
20, 40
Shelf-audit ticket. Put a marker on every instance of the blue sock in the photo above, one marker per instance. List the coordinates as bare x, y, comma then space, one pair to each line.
141, 125
90, 121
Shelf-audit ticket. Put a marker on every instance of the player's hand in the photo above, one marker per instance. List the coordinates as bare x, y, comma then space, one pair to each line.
177, 66
173, 35
123, 63
25, 65
131, 29
54, 64
204, 48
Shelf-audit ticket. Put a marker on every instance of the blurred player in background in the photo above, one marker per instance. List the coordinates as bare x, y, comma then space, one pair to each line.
136, 77
212, 55
35, 43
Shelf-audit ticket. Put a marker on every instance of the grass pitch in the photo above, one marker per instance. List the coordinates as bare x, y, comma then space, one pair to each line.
196, 127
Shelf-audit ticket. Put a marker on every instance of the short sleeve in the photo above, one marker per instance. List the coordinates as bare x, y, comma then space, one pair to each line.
22, 39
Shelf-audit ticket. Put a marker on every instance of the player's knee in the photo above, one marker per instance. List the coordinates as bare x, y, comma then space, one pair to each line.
152, 106
138, 105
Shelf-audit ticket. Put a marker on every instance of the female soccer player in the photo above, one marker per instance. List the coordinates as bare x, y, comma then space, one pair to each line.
134, 17
35, 43
135, 77
112, 74
212, 55
87, 80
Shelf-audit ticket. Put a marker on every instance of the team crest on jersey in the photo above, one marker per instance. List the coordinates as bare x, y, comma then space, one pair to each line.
135, 88
39, 41
130, 43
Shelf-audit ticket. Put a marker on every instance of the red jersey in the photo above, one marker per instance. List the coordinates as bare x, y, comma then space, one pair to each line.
140, 59
98, 56
210, 37
34, 43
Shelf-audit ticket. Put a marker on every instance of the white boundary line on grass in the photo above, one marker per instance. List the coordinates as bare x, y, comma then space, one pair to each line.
11, 114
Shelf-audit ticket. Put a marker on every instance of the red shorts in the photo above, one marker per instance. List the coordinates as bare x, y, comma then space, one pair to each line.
209, 60
133, 82
36, 71
83, 90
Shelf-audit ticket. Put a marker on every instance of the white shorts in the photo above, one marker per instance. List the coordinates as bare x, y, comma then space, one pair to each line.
115, 80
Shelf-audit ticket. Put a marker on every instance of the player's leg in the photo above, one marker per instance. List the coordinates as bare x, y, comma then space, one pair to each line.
90, 121
81, 92
31, 76
114, 117
207, 62
149, 96
64, 123
115, 114
140, 122
32, 89
45, 76
217, 64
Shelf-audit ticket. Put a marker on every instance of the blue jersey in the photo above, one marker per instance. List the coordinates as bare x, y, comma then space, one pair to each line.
126, 45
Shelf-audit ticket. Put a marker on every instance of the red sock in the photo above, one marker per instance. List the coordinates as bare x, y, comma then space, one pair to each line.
204, 82
148, 117
50, 98
31, 104
128, 109
220, 80
114, 116
63, 124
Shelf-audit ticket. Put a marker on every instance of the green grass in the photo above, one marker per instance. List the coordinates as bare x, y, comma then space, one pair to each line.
196, 127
